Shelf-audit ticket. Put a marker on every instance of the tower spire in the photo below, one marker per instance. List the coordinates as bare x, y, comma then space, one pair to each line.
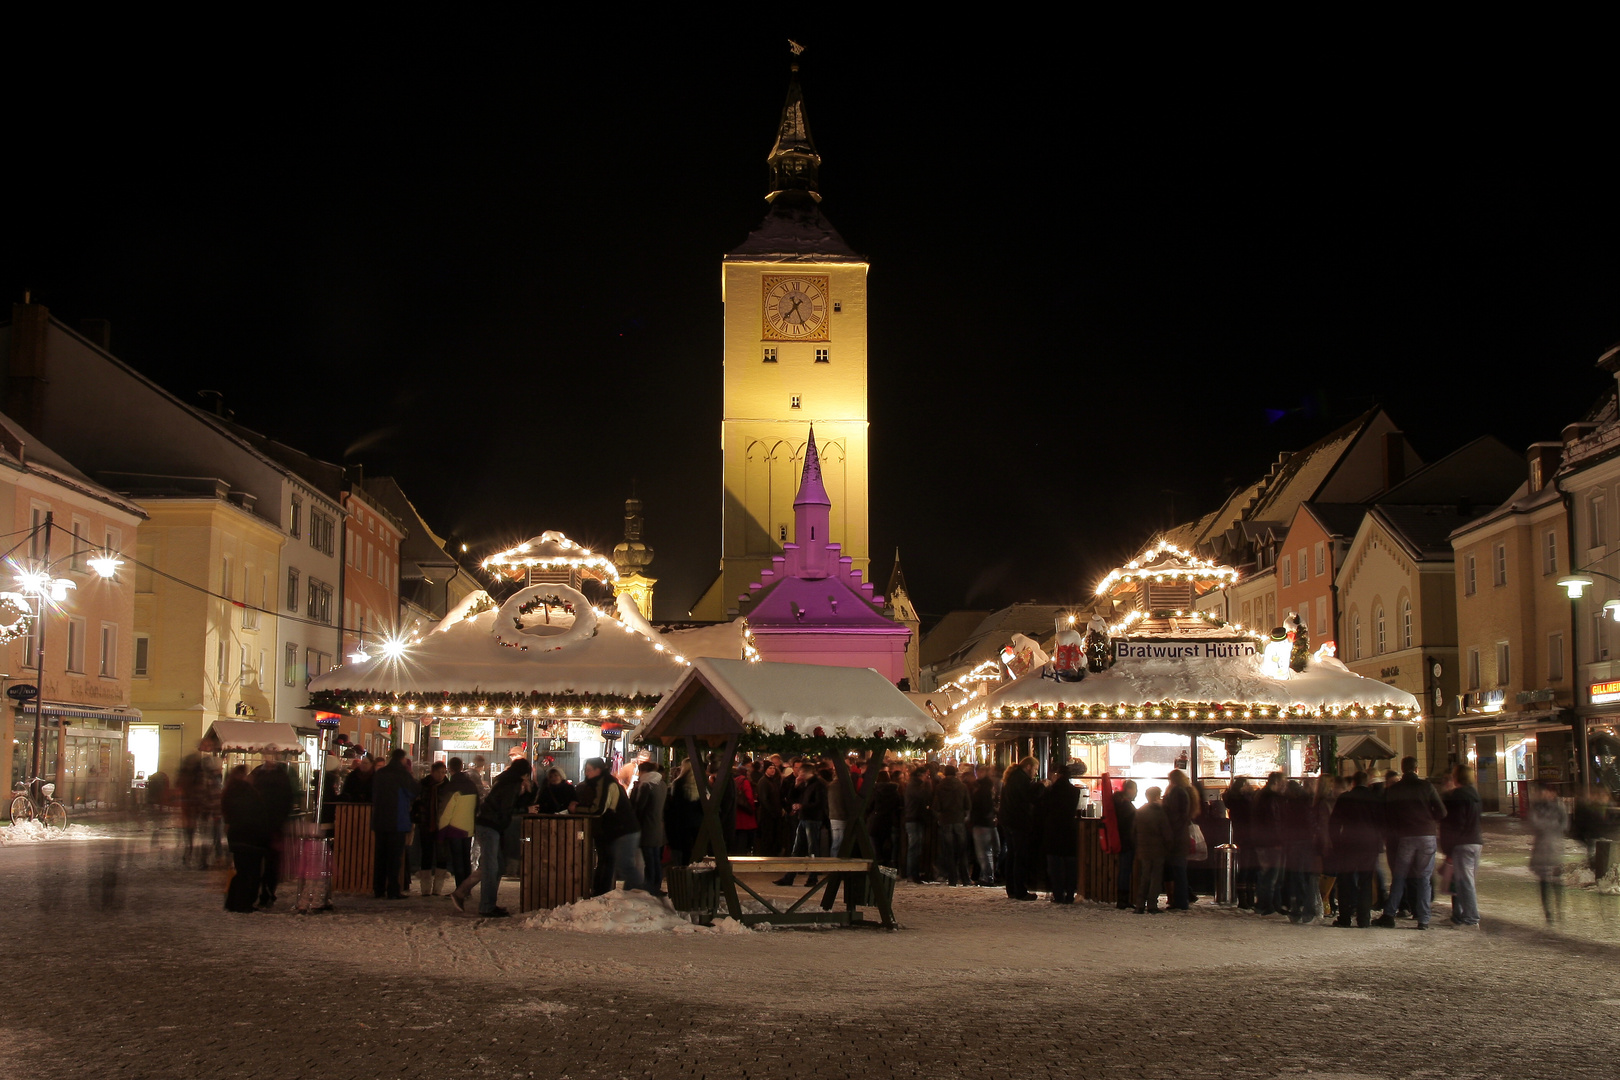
794, 163
811, 490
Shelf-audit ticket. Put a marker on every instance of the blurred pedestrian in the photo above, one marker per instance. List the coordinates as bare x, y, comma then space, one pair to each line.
1181, 806
982, 821
1154, 839
1357, 832
425, 815
949, 806
357, 785
200, 782
495, 812
1462, 839
555, 794
247, 834
1549, 821
768, 810
683, 814
617, 833
1266, 825
1060, 833
917, 813
275, 787
1125, 819
458, 812
1017, 818
648, 799
1238, 798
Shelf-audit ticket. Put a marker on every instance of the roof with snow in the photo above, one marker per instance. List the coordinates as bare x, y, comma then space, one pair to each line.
553, 549
715, 698
794, 229
547, 652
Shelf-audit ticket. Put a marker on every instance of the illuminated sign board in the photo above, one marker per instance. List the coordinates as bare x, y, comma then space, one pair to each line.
1604, 693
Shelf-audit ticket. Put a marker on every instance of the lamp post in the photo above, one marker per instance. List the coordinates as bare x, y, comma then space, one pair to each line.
38, 583
1575, 585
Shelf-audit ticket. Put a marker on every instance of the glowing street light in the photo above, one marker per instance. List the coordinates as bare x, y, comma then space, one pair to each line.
1576, 584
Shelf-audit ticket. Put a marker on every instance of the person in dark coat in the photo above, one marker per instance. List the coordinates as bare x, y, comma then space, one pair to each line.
1462, 839
1266, 827
1412, 810
1125, 815
617, 833
916, 813
393, 790
884, 816
1181, 806
1239, 802
357, 785
1060, 835
247, 833
648, 799
425, 813
1155, 837
982, 821
555, 794
812, 812
949, 806
275, 788
495, 813
1017, 818
768, 813
1356, 831
683, 814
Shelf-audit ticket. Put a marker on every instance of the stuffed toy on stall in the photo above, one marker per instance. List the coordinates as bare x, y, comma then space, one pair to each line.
1099, 648
1300, 654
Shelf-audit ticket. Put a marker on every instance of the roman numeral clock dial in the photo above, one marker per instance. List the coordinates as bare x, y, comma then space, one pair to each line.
795, 307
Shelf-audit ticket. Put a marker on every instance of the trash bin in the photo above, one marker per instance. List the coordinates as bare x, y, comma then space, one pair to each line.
694, 890
1602, 857
1226, 874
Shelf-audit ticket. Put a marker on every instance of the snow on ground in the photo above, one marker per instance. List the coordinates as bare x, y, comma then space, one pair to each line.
35, 832
625, 911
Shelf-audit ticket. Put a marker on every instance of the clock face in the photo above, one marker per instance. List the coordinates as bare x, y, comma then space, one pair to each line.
796, 307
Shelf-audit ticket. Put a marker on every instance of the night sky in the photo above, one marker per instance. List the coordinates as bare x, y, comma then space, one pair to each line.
1112, 277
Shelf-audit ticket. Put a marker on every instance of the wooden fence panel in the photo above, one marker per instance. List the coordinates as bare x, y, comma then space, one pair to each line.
353, 848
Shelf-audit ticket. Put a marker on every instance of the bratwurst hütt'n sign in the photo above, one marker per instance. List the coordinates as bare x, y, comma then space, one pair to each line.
1184, 652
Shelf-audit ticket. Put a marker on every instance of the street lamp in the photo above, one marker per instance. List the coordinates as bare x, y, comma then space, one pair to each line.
1577, 583
37, 582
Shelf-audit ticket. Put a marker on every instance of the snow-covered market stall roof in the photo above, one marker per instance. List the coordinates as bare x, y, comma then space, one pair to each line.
1176, 670
798, 708
552, 550
255, 737
546, 652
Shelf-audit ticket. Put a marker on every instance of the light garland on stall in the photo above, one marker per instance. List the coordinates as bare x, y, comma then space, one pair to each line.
1196, 569
521, 556
1207, 711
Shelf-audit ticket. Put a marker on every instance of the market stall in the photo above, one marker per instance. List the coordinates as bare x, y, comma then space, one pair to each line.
1165, 686
723, 706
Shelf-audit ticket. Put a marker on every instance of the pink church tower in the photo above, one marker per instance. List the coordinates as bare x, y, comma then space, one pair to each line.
811, 606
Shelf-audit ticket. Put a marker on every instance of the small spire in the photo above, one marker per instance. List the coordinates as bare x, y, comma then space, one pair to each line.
793, 160
897, 577
811, 491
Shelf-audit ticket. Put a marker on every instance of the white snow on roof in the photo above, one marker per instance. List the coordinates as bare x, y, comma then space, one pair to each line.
256, 736
1323, 684
775, 696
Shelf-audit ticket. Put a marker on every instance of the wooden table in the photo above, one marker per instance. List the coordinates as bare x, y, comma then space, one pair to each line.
844, 871
556, 860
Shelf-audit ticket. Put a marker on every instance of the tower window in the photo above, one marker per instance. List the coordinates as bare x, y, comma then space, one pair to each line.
781, 533
838, 307
821, 356
793, 401
770, 356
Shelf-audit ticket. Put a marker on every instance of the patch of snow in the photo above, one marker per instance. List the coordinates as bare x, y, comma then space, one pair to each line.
35, 832
625, 911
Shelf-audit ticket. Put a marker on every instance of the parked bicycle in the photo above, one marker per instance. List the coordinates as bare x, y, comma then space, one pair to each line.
36, 800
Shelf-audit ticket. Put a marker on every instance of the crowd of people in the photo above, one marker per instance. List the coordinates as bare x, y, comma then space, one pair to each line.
1357, 851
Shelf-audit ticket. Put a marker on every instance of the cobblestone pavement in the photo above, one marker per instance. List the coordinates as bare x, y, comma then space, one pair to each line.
121, 965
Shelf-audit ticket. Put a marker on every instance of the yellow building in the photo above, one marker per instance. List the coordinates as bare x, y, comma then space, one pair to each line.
795, 355
205, 649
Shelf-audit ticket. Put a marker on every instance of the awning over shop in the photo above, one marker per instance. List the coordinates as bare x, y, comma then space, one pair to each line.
87, 712
253, 736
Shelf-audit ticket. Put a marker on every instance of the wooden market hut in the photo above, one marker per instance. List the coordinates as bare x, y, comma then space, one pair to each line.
723, 706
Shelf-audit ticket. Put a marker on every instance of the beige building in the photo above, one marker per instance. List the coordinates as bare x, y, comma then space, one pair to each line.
795, 355
1514, 635
88, 636
207, 645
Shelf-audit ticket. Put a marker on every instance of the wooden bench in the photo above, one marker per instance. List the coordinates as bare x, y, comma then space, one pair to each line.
763, 864
855, 876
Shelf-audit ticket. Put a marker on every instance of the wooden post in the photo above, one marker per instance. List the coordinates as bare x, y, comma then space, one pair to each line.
711, 839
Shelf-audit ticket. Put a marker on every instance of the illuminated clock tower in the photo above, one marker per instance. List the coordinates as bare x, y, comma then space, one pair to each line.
795, 355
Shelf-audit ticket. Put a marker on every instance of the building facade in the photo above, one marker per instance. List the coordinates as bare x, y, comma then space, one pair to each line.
1515, 637
795, 354
88, 638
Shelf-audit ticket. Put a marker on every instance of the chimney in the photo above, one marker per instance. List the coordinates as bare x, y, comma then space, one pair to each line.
98, 332
1394, 458
28, 363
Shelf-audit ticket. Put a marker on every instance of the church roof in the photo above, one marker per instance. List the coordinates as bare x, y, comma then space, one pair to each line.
795, 229
829, 603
